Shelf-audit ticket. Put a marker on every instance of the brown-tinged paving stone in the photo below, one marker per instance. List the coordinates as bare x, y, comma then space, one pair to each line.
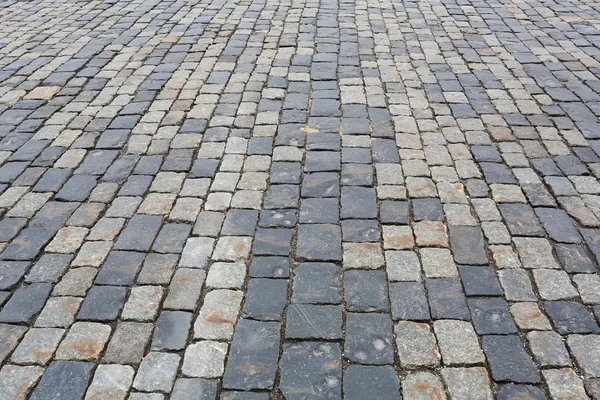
37, 346
218, 314
84, 341
185, 289
58, 312
363, 255
423, 385
397, 237
143, 303
17, 381
528, 316
43, 93
431, 234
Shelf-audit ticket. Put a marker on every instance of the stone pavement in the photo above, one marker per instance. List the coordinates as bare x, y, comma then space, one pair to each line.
307, 199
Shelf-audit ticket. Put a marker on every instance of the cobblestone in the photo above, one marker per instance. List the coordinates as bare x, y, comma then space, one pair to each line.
251, 199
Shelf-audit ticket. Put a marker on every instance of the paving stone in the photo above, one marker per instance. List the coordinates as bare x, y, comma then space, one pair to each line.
37, 346
187, 387
363, 381
512, 391
265, 299
17, 381
308, 321
480, 281
139, 233
252, 360
11, 335
226, 275
58, 312
365, 291
171, 330
588, 286
558, 225
218, 315
311, 367
467, 383
84, 341
157, 372
548, 348
584, 349
394, 212
408, 301
416, 345
564, 384
431, 233
535, 253
64, 379
446, 299
11, 273
529, 316
467, 245
103, 303
508, 359
517, 285
120, 268
25, 303
458, 342
422, 385
358, 202
232, 248
196, 252
570, 317
110, 382
205, 359
269, 267
128, 343
438, 263
491, 316
275, 242
369, 339
185, 289
573, 258
319, 242
318, 283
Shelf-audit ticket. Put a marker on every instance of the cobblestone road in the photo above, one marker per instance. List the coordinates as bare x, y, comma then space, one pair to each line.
307, 199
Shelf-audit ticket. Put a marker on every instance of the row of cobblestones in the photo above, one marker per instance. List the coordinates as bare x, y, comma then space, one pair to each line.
259, 199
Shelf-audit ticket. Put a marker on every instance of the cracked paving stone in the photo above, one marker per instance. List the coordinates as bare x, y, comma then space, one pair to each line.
309, 321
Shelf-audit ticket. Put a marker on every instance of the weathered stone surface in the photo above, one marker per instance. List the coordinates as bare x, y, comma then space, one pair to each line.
311, 369
253, 356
